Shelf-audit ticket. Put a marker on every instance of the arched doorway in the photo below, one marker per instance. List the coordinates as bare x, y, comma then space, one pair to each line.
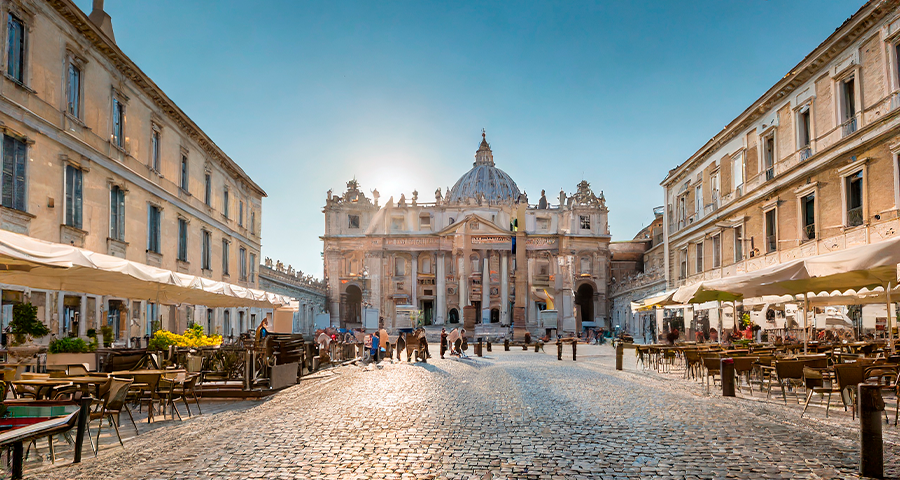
584, 298
354, 305
453, 316
495, 315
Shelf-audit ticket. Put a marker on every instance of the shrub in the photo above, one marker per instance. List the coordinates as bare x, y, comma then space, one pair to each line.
193, 337
26, 324
107, 333
69, 345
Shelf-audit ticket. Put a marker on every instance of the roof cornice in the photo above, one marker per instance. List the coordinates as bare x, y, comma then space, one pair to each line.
79, 20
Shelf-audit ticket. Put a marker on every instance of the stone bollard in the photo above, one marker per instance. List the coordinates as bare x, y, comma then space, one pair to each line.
489, 345
559, 350
574, 349
871, 448
536, 347
620, 352
726, 371
506, 344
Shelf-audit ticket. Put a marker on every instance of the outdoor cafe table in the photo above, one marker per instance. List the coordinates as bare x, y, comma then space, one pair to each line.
42, 386
125, 373
23, 412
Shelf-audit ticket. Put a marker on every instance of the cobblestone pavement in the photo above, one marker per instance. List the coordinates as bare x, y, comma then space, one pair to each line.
516, 414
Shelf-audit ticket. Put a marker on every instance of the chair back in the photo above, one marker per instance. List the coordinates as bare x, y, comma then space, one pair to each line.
104, 388
151, 379
820, 362
789, 369
118, 391
766, 360
882, 373
848, 375
190, 382
744, 364
77, 370
712, 363
812, 378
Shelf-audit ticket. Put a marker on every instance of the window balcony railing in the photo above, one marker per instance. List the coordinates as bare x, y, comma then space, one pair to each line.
809, 231
805, 153
771, 243
855, 217
770, 173
849, 126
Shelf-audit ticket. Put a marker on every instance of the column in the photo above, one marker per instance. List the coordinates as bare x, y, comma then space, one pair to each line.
414, 280
463, 284
504, 288
486, 289
60, 313
441, 297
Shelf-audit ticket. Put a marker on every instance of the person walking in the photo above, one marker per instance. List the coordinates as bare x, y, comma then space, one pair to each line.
463, 343
453, 340
375, 347
401, 344
423, 346
443, 341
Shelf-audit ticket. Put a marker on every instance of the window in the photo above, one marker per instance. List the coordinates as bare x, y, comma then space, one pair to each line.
585, 265
207, 191
771, 231
225, 202
699, 251
252, 222
698, 200
399, 266
543, 267
769, 156
543, 224
738, 243
476, 267
153, 323
682, 273
682, 211
225, 254
425, 222
848, 104
808, 216
118, 123
426, 264
585, 221
117, 213
252, 267
717, 250
73, 91
13, 182
182, 239
714, 190
240, 213
226, 322
854, 199
737, 172
154, 150
397, 223
184, 173
205, 254
803, 132
154, 215
15, 48
353, 221
74, 196
242, 258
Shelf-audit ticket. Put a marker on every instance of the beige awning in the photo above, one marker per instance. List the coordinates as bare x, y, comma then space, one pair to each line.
856, 268
659, 299
34, 263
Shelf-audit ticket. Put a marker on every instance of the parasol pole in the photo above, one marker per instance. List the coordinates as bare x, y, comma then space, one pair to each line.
805, 323
890, 331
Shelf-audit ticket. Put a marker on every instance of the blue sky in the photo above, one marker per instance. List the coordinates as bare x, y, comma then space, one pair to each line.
305, 95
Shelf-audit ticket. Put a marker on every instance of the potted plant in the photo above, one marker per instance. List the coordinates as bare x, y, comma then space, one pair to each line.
108, 336
24, 329
71, 351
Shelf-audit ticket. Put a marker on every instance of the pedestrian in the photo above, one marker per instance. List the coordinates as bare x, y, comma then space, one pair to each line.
375, 347
574, 348
423, 346
463, 343
454, 342
385, 342
401, 344
261, 330
443, 341
713, 335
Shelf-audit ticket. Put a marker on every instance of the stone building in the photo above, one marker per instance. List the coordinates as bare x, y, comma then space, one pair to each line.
309, 292
94, 154
637, 268
810, 167
469, 247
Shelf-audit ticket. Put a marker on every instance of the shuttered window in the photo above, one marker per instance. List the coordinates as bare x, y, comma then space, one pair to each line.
153, 223
13, 182
73, 91
15, 48
242, 257
205, 253
207, 196
119, 124
74, 196
117, 213
182, 239
225, 254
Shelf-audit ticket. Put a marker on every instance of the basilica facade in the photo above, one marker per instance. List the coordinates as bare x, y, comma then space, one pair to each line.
479, 253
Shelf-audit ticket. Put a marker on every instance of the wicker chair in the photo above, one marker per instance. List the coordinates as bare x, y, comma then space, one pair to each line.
113, 404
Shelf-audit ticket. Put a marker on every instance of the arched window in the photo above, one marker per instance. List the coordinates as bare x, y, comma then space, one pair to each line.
453, 316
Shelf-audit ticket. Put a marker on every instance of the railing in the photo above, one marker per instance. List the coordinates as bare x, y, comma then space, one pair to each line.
771, 243
849, 126
855, 217
810, 231
805, 153
770, 173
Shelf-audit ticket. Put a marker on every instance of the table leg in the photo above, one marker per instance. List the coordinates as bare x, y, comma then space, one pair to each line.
17, 460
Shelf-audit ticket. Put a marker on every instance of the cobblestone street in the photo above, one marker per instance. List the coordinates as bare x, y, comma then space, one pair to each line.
518, 414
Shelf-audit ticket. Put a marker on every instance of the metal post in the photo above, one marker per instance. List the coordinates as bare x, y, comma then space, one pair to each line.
890, 329
871, 448
17, 460
574, 349
805, 323
620, 352
83, 414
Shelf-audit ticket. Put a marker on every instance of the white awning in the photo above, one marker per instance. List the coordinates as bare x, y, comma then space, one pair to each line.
34, 263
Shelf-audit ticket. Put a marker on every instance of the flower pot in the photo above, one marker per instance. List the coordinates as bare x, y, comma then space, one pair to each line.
87, 359
23, 353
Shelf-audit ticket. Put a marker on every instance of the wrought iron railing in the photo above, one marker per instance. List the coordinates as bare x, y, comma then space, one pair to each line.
810, 231
805, 153
771, 243
855, 217
849, 126
770, 173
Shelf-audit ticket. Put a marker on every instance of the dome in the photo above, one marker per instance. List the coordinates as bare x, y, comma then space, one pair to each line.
484, 179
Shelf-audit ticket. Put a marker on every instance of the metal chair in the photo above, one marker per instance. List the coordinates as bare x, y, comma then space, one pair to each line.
787, 373
113, 404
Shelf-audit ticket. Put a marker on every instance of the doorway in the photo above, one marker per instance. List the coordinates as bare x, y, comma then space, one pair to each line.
427, 311
584, 299
495, 315
354, 305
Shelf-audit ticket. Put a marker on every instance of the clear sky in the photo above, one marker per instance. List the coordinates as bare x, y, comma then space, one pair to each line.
305, 95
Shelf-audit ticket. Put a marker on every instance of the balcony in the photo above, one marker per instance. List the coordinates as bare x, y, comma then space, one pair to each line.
770, 173
855, 217
848, 127
809, 231
805, 153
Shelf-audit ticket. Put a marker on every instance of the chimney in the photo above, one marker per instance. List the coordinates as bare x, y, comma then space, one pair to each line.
102, 20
